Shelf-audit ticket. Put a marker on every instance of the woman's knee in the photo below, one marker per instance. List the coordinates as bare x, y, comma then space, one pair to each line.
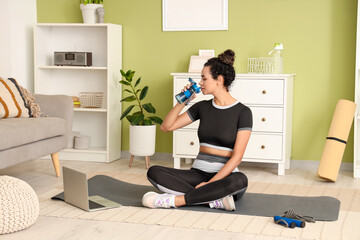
239, 180
240, 184
153, 172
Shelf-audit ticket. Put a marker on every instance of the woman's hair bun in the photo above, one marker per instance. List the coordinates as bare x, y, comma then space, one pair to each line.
227, 57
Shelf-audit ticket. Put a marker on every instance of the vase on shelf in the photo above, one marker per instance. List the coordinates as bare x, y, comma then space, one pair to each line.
89, 13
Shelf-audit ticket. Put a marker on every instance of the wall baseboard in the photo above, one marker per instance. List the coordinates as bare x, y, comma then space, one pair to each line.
313, 165
295, 163
157, 156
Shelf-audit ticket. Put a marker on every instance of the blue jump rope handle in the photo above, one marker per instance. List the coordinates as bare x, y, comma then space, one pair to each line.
289, 222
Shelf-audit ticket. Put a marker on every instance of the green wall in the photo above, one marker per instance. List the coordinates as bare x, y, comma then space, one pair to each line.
318, 36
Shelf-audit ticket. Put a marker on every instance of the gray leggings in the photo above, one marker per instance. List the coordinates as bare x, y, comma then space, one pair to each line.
183, 182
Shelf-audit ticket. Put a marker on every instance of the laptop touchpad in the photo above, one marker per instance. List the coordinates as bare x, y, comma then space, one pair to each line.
103, 201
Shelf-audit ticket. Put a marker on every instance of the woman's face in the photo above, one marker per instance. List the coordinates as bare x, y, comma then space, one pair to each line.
208, 84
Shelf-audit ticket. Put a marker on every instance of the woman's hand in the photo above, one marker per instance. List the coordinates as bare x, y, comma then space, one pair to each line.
201, 184
187, 87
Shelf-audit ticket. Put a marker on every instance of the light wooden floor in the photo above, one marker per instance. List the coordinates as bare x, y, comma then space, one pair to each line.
40, 175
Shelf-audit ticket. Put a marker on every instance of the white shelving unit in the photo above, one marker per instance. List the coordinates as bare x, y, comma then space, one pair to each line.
105, 42
357, 101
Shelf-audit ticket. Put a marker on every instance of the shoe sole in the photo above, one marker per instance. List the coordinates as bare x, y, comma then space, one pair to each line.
231, 203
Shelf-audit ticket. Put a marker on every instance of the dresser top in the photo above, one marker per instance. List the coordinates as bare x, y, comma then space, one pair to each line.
247, 75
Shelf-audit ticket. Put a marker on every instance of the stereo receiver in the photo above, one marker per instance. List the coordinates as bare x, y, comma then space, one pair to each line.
73, 58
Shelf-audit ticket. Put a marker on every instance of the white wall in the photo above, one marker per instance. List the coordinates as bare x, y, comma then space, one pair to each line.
17, 21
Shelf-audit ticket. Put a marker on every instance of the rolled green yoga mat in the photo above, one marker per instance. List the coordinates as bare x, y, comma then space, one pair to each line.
268, 205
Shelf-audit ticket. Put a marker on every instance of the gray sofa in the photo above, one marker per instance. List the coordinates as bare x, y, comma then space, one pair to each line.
23, 139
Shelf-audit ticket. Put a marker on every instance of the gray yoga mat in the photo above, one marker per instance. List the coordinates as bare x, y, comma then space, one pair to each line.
269, 205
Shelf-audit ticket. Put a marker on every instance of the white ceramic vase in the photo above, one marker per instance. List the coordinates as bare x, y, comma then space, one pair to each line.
142, 140
89, 13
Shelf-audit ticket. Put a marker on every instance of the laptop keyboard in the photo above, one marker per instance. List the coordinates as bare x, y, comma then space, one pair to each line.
94, 205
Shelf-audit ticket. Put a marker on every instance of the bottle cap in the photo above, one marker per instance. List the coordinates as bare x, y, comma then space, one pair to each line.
194, 86
278, 46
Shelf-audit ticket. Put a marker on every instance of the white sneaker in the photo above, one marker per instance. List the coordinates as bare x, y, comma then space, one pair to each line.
226, 203
155, 200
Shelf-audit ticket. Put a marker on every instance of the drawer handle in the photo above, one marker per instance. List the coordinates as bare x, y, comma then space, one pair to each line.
192, 143
264, 92
262, 146
263, 119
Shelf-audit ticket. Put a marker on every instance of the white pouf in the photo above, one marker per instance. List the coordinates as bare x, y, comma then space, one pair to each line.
19, 205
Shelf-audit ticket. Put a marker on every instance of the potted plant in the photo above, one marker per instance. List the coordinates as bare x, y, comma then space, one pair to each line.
142, 128
88, 8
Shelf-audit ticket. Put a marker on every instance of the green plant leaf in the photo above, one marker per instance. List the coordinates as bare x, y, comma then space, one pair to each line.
156, 120
128, 99
124, 82
137, 82
127, 90
147, 121
149, 108
144, 92
129, 118
138, 112
131, 75
91, 1
126, 112
122, 73
137, 118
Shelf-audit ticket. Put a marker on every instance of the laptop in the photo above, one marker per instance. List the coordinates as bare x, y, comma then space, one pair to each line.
76, 192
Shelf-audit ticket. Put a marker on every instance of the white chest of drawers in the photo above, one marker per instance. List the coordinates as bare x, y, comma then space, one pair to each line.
270, 98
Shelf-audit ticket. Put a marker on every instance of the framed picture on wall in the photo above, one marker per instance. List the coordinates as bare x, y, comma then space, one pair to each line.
194, 15
209, 53
197, 63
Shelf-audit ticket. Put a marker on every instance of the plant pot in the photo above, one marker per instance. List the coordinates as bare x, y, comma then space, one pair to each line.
142, 140
89, 13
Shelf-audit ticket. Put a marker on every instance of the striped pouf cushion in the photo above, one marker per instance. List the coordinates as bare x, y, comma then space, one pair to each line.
12, 104
19, 205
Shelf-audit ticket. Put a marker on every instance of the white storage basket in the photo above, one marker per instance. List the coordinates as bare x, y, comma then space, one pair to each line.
82, 142
91, 99
261, 65
72, 139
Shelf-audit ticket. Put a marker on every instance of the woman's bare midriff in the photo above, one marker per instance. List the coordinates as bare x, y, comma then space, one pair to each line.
215, 151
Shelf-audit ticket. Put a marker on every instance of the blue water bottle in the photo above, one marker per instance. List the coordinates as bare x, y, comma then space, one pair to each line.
183, 96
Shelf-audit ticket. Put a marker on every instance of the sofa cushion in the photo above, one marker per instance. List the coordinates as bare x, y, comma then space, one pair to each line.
19, 131
12, 103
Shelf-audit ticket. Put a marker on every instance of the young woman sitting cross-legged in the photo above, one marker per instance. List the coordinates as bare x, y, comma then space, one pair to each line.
224, 131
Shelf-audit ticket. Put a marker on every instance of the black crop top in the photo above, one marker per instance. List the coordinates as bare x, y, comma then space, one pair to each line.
219, 125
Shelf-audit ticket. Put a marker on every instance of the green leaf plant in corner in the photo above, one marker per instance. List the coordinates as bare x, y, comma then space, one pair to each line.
137, 94
91, 2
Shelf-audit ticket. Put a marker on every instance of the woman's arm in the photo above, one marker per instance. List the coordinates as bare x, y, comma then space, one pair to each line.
242, 139
173, 121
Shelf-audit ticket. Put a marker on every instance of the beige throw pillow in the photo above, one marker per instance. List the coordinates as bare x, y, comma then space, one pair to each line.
12, 103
